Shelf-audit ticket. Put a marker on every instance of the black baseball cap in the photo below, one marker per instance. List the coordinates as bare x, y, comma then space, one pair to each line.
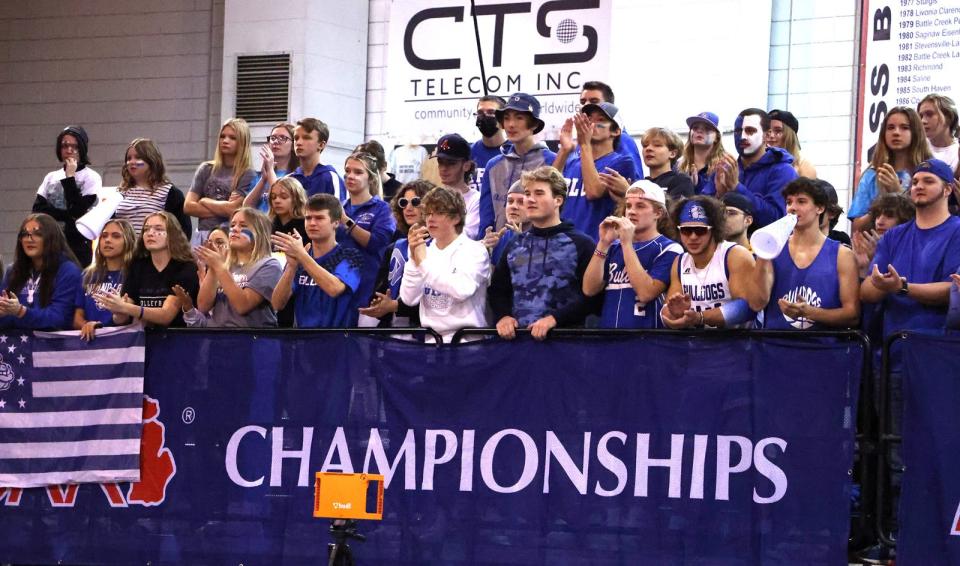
738, 201
453, 146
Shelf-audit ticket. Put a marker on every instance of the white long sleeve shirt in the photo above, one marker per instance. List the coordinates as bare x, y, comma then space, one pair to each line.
450, 286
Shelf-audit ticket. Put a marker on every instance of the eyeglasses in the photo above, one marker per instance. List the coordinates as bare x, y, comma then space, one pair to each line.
734, 212
156, 229
415, 201
694, 230
69, 146
278, 139
30, 235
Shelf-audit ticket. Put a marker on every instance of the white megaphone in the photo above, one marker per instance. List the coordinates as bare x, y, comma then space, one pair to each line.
768, 242
91, 223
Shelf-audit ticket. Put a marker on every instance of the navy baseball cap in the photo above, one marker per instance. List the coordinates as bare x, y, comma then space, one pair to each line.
937, 167
453, 146
707, 118
611, 112
523, 102
739, 201
693, 214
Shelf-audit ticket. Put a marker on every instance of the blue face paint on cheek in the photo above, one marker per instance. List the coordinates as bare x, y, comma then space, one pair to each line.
738, 132
246, 233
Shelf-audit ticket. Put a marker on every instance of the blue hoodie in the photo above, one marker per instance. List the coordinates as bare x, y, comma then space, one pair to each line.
501, 172
324, 179
56, 315
762, 182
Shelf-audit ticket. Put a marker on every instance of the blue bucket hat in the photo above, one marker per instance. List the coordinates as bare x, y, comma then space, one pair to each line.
523, 102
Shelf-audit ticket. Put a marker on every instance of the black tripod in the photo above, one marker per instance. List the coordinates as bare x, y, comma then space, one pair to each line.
338, 551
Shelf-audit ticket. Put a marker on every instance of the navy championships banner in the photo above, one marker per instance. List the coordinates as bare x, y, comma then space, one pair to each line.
930, 500
641, 450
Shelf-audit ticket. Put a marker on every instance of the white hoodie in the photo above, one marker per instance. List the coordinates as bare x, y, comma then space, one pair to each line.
450, 285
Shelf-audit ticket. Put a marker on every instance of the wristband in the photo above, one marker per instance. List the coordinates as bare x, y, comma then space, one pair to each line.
701, 325
141, 312
599, 253
736, 312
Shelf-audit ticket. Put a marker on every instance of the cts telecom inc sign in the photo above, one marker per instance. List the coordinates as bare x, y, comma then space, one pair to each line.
547, 48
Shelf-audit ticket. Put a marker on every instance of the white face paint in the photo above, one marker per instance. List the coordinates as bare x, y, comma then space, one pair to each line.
751, 140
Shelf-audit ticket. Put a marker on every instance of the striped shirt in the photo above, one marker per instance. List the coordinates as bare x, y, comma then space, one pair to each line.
139, 202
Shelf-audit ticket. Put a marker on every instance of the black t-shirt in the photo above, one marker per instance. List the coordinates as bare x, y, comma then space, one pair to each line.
294, 224
676, 185
390, 187
149, 288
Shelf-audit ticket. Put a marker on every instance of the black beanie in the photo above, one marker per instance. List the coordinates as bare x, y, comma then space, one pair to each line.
82, 140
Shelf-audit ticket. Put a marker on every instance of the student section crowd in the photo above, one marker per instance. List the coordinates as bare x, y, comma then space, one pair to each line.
507, 233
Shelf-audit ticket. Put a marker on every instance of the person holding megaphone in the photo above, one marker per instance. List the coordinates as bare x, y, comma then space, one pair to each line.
805, 281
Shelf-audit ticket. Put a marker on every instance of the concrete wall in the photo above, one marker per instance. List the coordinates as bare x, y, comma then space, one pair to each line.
813, 45
123, 70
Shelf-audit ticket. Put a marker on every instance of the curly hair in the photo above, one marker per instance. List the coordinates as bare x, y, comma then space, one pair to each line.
420, 187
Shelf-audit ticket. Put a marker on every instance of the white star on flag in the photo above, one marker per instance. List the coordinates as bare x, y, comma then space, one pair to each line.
11, 348
24, 339
20, 380
3, 404
3, 339
22, 403
21, 359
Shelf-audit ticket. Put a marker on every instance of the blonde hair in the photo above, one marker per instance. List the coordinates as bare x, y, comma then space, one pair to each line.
369, 162
260, 225
297, 195
96, 272
670, 139
688, 164
243, 160
549, 175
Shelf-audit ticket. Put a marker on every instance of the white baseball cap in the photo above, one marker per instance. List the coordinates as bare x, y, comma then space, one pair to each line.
650, 191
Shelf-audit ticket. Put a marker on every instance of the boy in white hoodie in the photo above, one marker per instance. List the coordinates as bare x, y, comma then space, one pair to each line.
448, 277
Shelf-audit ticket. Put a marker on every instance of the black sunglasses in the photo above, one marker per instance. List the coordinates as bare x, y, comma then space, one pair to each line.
694, 230
415, 201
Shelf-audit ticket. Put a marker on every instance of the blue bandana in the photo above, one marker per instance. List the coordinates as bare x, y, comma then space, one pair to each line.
694, 213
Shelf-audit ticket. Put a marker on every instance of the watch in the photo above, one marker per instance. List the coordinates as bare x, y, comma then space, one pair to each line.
349, 224
904, 286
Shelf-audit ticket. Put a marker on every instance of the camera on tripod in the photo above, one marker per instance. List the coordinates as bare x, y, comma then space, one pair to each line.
346, 498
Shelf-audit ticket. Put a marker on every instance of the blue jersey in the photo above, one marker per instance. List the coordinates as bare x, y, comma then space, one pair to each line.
91, 311
375, 217
398, 260
480, 154
922, 256
313, 308
586, 214
324, 179
621, 309
818, 285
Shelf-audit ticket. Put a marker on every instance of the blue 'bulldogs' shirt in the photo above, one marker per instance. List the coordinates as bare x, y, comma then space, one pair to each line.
313, 308
621, 309
375, 217
480, 154
585, 214
922, 256
818, 285
91, 311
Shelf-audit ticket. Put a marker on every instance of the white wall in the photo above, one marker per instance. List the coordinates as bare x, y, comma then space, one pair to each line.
327, 40
813, 46
120, 69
